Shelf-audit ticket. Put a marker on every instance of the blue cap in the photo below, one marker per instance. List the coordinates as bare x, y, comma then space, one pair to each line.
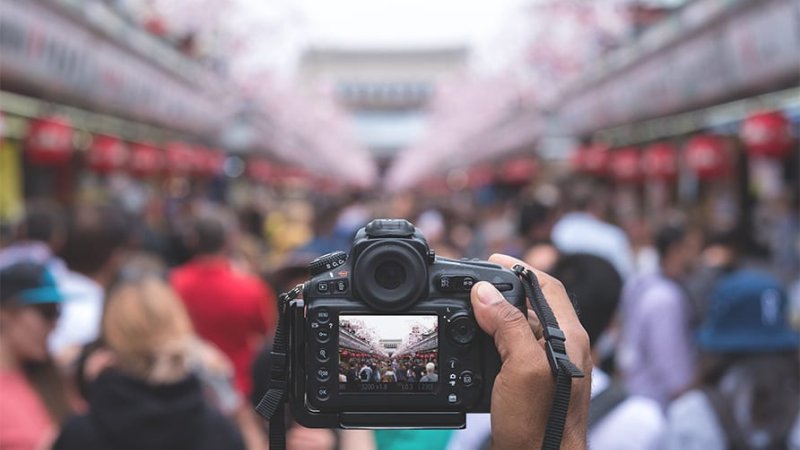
747, 314
28, 283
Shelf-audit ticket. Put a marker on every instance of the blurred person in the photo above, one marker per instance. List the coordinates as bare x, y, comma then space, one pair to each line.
33, 401
39, 237
656, 352
720, 256
233, 310
617, 420
96, 246
144, 394
748, 391
543, 255
585, 230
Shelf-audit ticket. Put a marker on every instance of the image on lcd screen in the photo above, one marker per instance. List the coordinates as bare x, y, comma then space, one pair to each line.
388, 353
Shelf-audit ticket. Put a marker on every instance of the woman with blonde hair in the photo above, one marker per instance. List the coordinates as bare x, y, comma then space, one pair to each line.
147, 397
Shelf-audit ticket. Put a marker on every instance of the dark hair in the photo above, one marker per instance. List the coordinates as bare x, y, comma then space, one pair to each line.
44, 221
206, 236
772, 382
667, 237
93, 235
595, 287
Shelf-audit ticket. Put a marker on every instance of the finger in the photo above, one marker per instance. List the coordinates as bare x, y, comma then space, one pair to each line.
536, 326
512, 334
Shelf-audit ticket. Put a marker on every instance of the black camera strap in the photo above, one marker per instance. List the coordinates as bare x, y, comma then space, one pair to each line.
563, 369
272, 405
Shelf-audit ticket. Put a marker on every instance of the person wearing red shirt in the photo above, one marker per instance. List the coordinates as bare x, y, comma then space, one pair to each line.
232, 309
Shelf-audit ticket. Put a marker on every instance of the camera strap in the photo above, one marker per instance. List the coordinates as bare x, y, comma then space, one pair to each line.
563, 369
271, 406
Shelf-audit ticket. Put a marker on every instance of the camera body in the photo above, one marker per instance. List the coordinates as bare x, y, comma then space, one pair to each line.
387, 338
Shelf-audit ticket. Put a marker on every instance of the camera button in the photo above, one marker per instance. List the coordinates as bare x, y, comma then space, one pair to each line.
453, 364
323, 354
467, 283
461, 330
452, 399
340, 286
323, 374
323, 315
322, 287
467, 379
322, 393
323, 335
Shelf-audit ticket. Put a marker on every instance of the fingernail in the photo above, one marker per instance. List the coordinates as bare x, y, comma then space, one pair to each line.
488, 295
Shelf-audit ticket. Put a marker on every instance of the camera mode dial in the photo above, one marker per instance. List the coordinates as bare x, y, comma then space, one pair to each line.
326, 263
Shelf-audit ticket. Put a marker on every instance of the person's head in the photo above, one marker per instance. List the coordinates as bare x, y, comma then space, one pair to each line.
588, 195
29, 307
595, 286
722, 248
148, 329
677, 248
43, 222
430, 368
97, 241
206, 236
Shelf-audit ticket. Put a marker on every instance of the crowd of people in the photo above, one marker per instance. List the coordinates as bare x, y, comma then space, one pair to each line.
153, 330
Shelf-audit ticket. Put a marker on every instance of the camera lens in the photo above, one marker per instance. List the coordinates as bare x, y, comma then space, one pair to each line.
390, 275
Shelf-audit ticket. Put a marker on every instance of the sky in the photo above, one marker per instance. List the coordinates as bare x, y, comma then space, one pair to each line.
394, 327
288, 26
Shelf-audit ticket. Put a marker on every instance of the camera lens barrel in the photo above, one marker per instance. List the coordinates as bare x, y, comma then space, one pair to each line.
391, 276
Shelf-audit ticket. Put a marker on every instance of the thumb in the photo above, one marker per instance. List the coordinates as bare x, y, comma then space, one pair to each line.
505, 323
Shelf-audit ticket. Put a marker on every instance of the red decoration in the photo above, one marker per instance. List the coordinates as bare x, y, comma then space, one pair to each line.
519, 170
767, 134
593, 159
707, 157
213, 162
625, 165
660, 162
180, 158
479, 176
145, 160
49, 141
107, 154
260, 171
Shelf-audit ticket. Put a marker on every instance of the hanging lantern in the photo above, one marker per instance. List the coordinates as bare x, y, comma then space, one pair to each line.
107, 154
596, 159
767, 134
179, 158
519, 170
260, 171
479, 176
707, 157
214, 162
625, 165
49, 141
578, 160
660, 162
145, 160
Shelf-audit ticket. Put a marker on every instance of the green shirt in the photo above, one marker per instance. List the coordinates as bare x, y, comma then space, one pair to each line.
412, 439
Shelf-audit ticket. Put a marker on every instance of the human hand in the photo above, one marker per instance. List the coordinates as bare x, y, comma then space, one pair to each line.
302, 438
523, 390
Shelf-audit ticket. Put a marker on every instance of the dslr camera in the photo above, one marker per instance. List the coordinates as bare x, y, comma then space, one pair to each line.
386, 337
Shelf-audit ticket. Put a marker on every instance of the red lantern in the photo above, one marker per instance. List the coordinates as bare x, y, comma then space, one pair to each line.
767, 134
707, 157
625, 165
214, 161
660, 162
107, 154
479, 176
179, 158
596, 159
49, 141
519, 170
260, 171
145, 160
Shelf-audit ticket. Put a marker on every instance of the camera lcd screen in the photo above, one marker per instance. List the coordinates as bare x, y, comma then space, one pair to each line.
388, 353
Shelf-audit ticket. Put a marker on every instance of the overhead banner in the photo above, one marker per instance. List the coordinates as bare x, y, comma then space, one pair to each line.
755, 47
